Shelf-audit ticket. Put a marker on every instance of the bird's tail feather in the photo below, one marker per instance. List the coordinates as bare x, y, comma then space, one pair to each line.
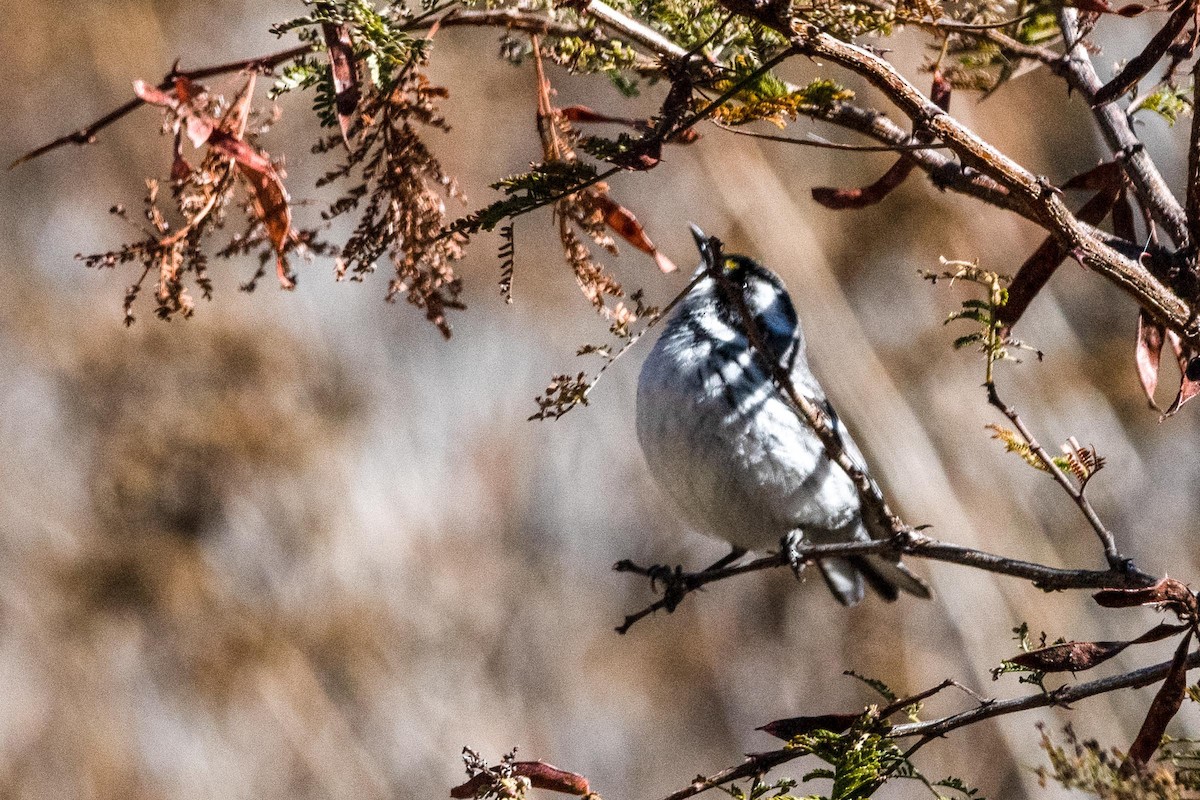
843, 579
889, 577
848, 578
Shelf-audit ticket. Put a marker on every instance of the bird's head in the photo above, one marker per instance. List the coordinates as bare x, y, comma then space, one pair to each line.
765, 297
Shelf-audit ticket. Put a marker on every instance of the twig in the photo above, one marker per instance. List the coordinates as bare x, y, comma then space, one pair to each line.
1116, 561
633, 30
87, 134
1056, 697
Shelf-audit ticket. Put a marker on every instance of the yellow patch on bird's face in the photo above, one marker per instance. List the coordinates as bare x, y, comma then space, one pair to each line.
732, 265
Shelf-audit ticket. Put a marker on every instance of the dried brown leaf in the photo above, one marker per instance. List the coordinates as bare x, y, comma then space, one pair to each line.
1189, 387
1079, 656
346, 88
1147, 354
1168, 593
1163, 709
841, 199
1041, 265
623, 223
788, 729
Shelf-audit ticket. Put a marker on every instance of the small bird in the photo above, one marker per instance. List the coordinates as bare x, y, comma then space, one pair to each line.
725, 444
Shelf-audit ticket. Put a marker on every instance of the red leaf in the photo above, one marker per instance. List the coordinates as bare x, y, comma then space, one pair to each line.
545, 776
1149, 348
1163, 709
346, 89
623, 223
1109, 175
153, 95
1069, 656
586, 114
861, 197
1122, 217
540, 775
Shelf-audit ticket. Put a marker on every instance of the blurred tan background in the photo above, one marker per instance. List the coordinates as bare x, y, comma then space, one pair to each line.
300, 547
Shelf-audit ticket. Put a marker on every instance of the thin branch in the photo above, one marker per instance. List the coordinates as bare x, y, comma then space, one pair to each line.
1146, 676
678, 584
1116, 561
1152, 190
818, 142
87, 134
633, 30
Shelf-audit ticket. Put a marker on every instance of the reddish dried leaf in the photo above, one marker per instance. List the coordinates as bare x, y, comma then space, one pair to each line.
1136, 68
465, 791
840, 199
861, 197
544, 776
346, 89
1163, 709
1109, 175
1149, 349
540, 775
1069, 656
270, 198
940, 90
1169, 593
787, 729
1188, 386
1122, 217
180, 168
1037, 270
235, 118
623, 223
1079, 656
586, 114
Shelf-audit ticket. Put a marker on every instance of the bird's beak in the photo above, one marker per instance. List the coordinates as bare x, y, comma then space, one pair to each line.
703, 243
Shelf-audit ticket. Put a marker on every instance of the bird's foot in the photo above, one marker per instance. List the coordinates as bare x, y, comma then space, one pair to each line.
791, 546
